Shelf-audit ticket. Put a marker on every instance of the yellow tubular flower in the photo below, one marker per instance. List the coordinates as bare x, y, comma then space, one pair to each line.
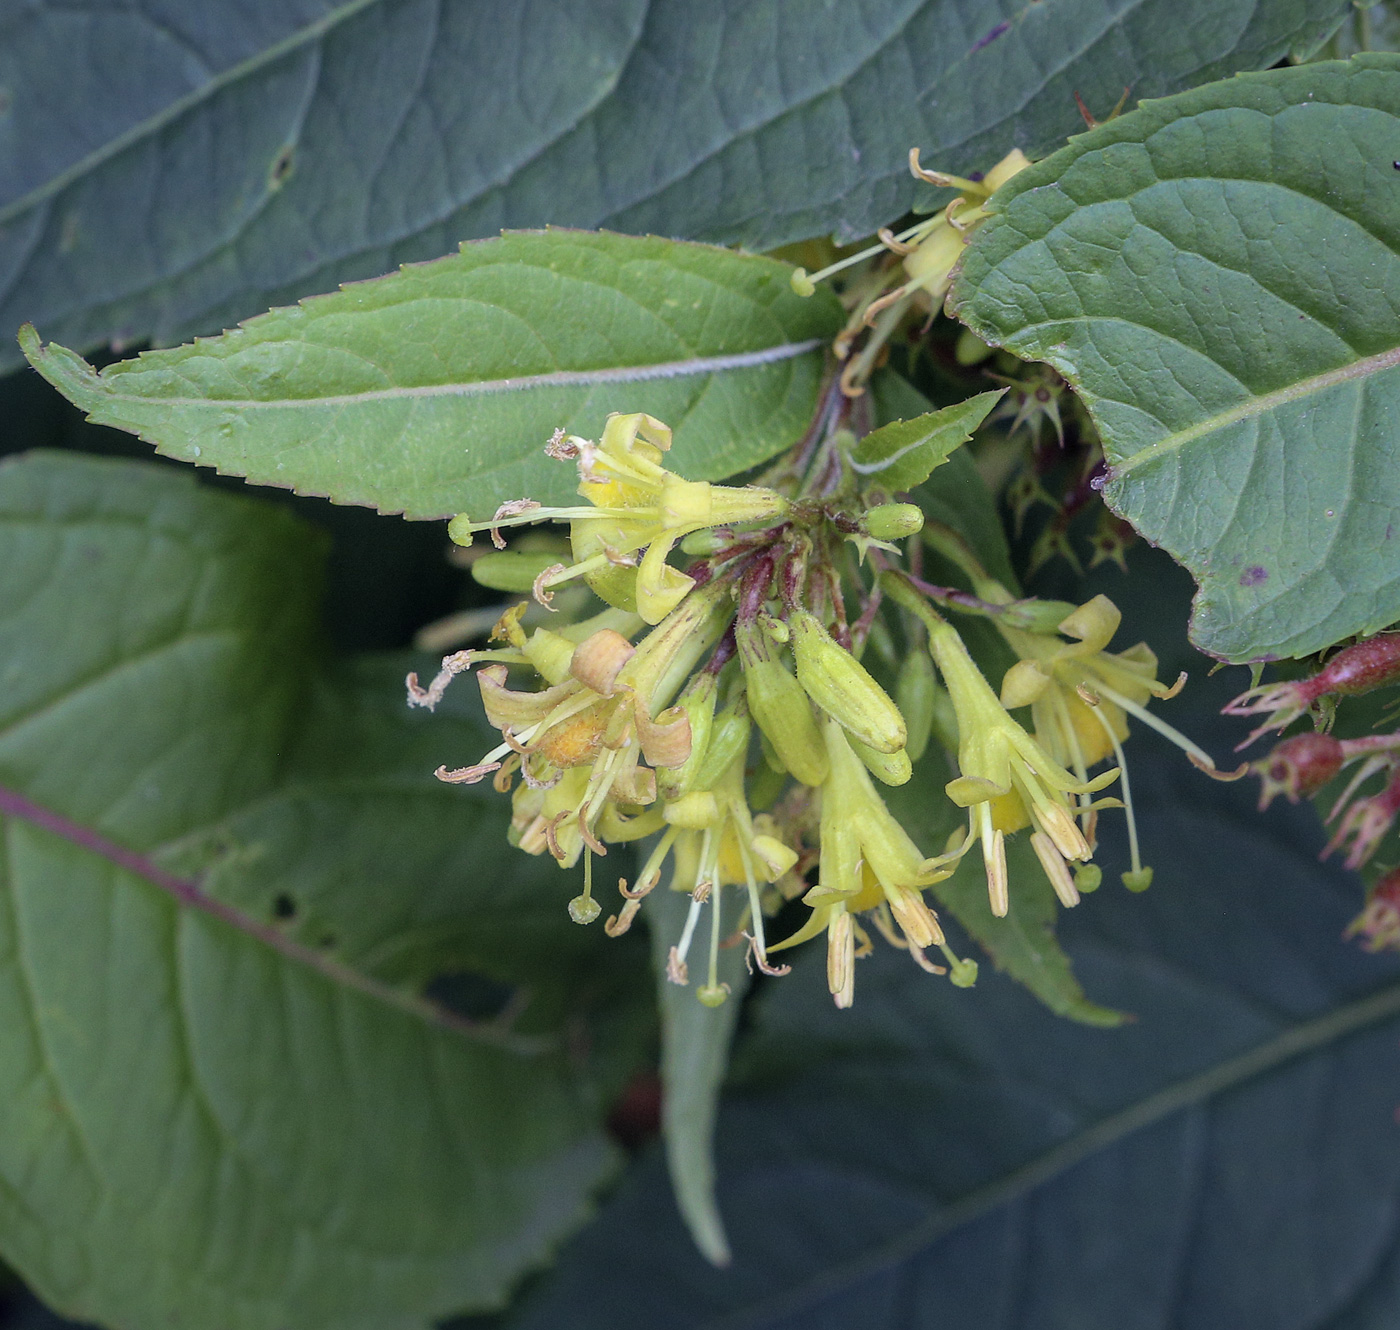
580, 745
636, 505
1008, 781
714, 843
868, 863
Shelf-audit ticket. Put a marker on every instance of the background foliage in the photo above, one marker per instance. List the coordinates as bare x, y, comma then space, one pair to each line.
288, 1033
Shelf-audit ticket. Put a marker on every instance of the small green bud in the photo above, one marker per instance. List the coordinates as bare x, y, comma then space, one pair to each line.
701, 543
729, 738
764, 787
1087, 878
713, 995
698, 703
894, 521
780, 707
459, 530
842, 687
1138, 879
511, 570
770, 757
584, 909
891, 768
916, 694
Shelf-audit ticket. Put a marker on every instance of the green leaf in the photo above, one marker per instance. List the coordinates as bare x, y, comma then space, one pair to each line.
435, 389
904, 453
695, 1042
163, 178
964, 1158
1216, 274
216, 1115
954, 493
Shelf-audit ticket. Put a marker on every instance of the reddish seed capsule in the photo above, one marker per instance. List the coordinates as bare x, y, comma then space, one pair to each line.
1379, 923
1360, 668
1298, 767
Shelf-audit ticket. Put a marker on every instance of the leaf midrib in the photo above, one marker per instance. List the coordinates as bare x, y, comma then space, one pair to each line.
1296, 1041
1255, 406
189, 895
670, 369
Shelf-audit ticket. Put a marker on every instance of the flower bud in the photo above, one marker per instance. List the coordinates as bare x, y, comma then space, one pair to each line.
698, 704
891, 768
780, 707
916, 694
894, 521
729, 739
512, 570
550, 653
842, 687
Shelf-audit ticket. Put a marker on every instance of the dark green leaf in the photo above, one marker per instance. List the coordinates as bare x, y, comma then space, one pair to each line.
964, 1158
1217, 274
227, 871
904, 453
434, 390
161, 176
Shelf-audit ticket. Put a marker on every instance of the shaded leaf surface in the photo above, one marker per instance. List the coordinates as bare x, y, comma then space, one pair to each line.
884, 1182
434, 389
1219, 275
172, 169
213, 1118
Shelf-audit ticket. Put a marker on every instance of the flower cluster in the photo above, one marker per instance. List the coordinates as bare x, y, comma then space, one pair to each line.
700, 693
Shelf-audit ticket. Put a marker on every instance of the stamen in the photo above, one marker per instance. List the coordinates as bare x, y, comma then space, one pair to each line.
1055, 868
994, 860
618, 924
466, 775
1133, 854
457, 663
924, 963
1161, 726
840, 959
676, 963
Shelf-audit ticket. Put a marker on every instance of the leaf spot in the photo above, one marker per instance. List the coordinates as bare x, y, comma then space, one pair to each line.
1254, 576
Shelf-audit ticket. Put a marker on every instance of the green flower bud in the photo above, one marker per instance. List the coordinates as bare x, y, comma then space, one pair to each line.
894, 521
780, 707
729, 738
512, 570
842, 687
698, 703
891, 768
916, 694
